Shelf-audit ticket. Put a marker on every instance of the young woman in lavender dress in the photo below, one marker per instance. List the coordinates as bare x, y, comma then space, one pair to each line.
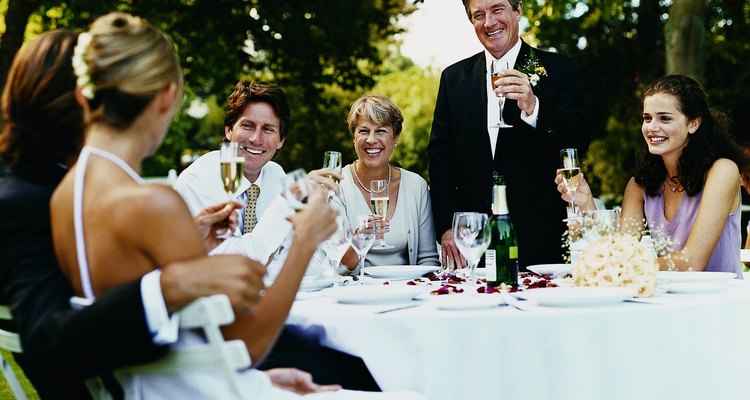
687, 183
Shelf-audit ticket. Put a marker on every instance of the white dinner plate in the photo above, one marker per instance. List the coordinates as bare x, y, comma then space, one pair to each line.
576, 296
399, 271
694, 276
694, 287
550, 269
455, 302
310, 283
372, 294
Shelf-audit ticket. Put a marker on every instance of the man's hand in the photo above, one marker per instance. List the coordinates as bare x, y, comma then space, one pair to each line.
216, 220
450, 256
297, 381
239, 277
322, 177
515, 84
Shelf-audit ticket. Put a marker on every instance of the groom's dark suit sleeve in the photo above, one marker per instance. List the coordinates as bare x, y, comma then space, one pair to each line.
62, 346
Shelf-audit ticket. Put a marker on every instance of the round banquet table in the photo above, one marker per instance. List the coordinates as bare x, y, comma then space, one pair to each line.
677, 346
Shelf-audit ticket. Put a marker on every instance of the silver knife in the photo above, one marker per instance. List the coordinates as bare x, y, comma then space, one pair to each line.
397, 308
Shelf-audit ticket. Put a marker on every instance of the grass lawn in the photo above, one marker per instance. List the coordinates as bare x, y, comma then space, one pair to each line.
5, 392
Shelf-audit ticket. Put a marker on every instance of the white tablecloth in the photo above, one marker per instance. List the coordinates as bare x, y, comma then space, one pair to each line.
684, 347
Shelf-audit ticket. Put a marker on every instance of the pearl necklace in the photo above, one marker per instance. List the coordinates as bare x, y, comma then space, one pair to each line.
354, 169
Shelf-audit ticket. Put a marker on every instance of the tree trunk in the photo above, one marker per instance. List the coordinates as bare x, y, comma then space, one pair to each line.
685, 37
16, 19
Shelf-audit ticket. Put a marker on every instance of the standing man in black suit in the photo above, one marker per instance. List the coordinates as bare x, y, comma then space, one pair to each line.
129, 325
546, 114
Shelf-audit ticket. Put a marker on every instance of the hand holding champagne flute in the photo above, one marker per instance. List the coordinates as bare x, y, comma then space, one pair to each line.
379, 197
297, 189
332, 160
496, 74
571, 174
231, 164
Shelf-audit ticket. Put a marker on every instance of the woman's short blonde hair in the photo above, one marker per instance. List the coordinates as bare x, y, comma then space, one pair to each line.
378, 109
129, 62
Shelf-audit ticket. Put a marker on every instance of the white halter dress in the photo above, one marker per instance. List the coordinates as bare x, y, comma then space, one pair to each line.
185, 385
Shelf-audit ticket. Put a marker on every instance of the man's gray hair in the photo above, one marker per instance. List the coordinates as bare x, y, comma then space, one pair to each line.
513, 5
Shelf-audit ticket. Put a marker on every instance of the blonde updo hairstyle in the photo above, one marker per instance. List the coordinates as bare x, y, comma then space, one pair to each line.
129, 62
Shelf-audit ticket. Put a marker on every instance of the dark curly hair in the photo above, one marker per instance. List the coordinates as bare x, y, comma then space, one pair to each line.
712, 140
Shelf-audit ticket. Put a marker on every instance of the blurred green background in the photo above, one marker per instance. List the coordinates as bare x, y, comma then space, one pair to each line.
326, 53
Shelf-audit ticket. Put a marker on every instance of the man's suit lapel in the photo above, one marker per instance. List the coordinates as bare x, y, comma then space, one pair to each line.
476, 89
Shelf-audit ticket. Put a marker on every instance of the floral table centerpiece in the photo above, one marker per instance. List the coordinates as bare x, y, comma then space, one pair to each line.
617, 260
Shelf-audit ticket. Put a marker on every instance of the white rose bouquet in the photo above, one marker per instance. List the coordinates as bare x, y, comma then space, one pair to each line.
617, 260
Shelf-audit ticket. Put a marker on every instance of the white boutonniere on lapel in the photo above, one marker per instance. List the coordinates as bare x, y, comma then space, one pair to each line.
533, 68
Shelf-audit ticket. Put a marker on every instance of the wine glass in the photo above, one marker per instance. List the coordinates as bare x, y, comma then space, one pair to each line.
495, 74
297, 188
571, 173
336, 245
379, 196
363, 238
231, 163
472, 235
332, 160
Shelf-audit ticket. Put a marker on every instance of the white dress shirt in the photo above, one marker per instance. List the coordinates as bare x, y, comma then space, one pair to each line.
493, 110
200, 186
164, 329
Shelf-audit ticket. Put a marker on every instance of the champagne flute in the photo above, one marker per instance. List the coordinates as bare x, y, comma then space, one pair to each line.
379, 197
231, 163
495, 74
363, 238
571, 173
471, 232
444, 270
332, 160
297, 189
336, 245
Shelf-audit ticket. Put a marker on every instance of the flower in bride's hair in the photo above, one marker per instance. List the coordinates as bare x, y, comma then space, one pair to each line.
80, 68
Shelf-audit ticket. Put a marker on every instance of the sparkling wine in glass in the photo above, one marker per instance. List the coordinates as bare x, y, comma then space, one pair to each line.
495, 74
471, 233
363, 238
297, 189
379, 197
571, 173
231, 163
336, 245
332, 160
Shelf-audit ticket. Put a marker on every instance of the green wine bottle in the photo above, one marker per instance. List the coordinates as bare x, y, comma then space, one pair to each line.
501, 258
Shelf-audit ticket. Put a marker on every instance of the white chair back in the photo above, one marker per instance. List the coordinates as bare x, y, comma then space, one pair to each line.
207, 314
10, 341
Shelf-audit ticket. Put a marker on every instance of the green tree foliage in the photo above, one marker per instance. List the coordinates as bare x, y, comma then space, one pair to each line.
307, 47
